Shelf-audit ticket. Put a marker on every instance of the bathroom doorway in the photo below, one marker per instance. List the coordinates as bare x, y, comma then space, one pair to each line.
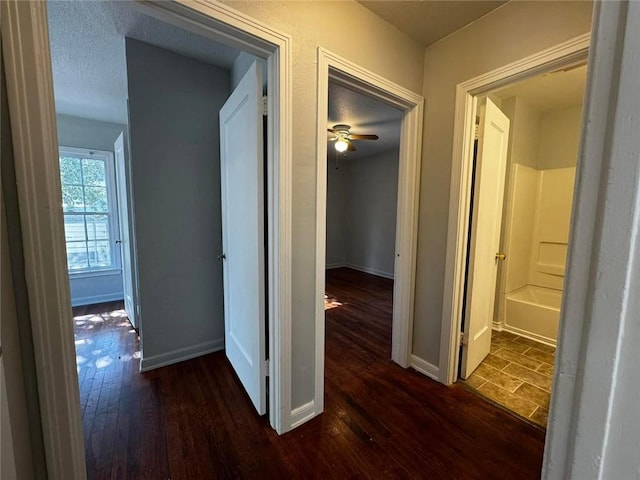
524, 163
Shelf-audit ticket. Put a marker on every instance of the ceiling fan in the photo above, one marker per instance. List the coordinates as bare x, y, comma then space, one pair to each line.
343, 137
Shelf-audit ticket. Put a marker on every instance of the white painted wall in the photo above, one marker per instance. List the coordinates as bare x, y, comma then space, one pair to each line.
550, 239
519, 210
86, 133
361, 213
510, 33
542, 156
559, 138
174, 104
525, 135
519, 227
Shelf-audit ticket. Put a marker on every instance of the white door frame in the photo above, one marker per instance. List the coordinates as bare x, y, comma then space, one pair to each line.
125, 209
33, 121
572, 51
343, 72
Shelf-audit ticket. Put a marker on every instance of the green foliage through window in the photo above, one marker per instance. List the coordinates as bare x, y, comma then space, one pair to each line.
87, 219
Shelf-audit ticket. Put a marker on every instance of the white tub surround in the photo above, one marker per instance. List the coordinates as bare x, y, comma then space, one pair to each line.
533, 312
539, 195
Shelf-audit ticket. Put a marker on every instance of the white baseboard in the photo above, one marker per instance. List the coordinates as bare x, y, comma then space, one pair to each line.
529, 335
498, 326
424, 367
329, 266
111, 297
372, 271
303, 414
180, 355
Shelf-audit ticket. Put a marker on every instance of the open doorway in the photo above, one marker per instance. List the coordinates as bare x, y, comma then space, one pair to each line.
351, 80
524, 163
362, 189
163, 155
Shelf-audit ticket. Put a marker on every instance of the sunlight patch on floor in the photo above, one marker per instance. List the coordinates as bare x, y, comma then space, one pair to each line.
103, 362
330, 303
101, 317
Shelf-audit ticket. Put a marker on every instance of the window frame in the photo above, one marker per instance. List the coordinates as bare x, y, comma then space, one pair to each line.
113, 217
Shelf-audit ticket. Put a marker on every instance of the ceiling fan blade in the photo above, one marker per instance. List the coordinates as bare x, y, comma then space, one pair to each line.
351, 147
355, 136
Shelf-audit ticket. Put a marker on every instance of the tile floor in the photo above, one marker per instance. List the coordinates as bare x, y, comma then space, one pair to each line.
517, 374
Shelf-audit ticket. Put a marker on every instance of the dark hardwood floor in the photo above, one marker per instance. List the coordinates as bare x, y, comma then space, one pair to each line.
193, 420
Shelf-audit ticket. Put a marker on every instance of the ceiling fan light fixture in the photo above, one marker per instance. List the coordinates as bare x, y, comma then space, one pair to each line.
341, 145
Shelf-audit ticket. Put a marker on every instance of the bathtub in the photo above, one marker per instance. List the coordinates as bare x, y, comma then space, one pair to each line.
533, 312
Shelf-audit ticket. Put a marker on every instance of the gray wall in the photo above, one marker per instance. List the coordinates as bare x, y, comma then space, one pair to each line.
371, 213
174, 103
336, 254
85, 133
361, 213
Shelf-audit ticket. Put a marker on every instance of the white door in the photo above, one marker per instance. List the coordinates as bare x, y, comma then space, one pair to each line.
125, 242
241, 163
485, 237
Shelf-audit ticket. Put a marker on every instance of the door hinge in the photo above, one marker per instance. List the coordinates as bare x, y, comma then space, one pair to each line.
266, 367
464, 339
264, 106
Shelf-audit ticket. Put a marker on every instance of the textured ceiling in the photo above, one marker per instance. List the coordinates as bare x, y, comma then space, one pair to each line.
366, 116
427, 21
551, 91
88, 54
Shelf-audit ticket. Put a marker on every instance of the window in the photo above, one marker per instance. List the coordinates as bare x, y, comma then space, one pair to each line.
88, 204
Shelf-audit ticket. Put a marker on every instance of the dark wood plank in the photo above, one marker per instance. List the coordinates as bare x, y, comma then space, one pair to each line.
193, 420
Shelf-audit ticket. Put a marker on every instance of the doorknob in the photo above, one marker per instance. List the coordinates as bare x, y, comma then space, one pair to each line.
118, 241
500, 256
222, 257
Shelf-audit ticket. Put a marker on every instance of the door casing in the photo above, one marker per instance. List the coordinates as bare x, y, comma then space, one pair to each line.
127, 263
